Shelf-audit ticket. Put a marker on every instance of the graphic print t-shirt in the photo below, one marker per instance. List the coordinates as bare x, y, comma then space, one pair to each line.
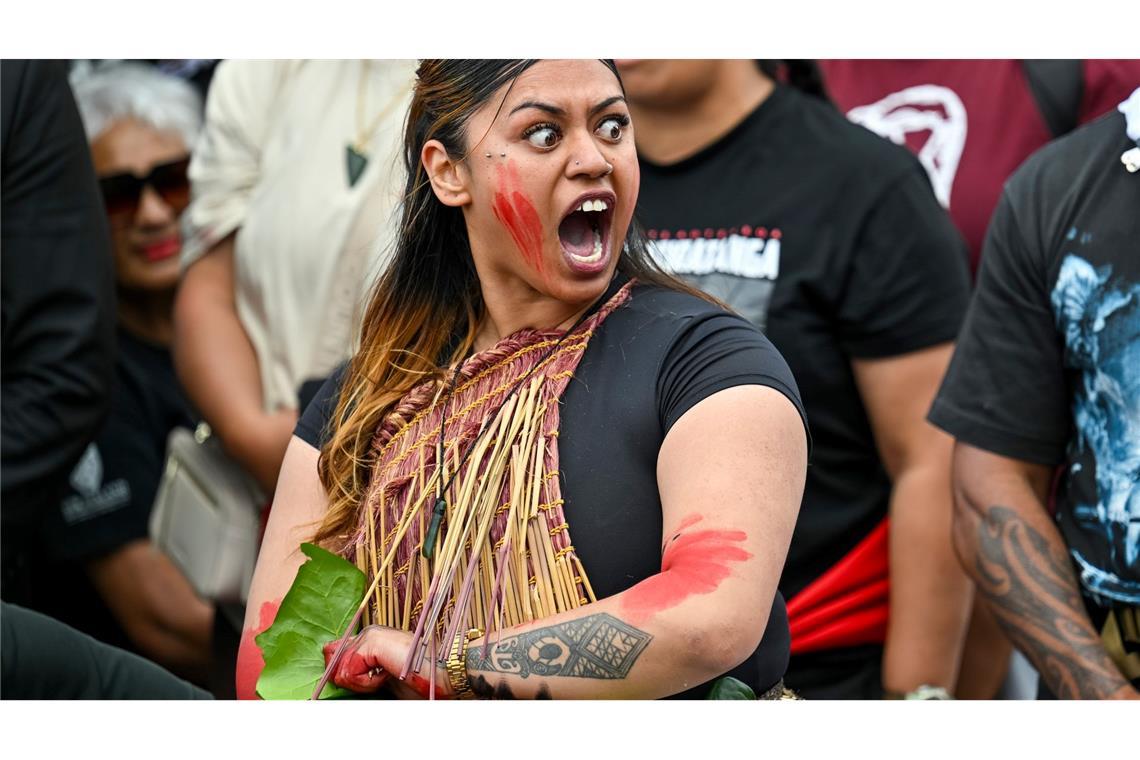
1048, 365
828, 238
970, 122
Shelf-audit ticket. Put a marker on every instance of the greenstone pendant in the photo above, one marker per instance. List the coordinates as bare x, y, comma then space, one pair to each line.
357, 161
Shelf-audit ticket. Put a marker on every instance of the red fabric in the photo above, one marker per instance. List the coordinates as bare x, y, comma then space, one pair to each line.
999, 127
849, 604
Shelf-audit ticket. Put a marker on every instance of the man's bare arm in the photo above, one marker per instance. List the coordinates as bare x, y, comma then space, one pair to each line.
930, 595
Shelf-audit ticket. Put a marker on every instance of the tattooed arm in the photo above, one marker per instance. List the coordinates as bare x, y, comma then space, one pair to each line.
730, 473
1007, 541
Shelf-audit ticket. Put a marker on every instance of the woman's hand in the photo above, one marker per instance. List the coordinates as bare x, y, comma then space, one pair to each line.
376, 656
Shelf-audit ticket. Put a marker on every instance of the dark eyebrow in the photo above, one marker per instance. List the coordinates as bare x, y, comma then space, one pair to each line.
556, 111
607, 103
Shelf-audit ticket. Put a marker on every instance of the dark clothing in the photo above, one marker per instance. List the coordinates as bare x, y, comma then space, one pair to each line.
854, 672
1048, 366
57, 307
830, 240
649, 363
972, 122
112, 489
45, 659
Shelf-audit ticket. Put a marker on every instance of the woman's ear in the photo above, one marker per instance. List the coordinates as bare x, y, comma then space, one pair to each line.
447, 180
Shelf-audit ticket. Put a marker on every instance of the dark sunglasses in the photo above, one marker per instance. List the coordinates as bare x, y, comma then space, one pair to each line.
121, 192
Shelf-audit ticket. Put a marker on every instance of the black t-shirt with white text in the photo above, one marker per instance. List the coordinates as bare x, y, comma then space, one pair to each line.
651, 360
1048, 366
830, 240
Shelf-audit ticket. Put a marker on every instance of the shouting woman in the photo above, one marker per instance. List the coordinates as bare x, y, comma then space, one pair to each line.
564, 473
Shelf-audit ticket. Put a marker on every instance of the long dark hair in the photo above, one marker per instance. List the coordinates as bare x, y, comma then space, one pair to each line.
429, 295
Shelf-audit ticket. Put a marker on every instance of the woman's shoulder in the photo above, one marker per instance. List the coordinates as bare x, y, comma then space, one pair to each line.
698, 348
663, 326
676, 310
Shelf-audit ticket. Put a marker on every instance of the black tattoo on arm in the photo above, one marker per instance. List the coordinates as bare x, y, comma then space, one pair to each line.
1033, 591
595, 646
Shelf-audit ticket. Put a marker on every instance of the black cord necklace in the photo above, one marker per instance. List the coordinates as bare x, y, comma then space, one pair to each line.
443, 487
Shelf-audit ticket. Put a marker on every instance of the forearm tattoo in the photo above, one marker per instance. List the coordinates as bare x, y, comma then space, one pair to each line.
1035, 596
596, 646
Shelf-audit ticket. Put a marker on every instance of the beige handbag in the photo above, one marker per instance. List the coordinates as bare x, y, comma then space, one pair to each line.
206, 515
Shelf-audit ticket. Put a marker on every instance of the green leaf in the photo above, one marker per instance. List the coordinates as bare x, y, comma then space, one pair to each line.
730, 688
319, 605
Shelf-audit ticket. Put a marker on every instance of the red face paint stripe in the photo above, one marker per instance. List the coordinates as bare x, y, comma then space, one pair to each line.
515, 212
693, 563
250, 663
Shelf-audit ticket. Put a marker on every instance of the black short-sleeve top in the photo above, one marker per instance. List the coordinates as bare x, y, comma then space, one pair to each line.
652, 360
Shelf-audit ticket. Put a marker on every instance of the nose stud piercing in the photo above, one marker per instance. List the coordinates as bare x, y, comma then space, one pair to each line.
609, 168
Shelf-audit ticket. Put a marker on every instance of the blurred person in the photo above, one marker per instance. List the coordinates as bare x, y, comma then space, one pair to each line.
291, 212
105, 576
831, 241
57, 299
672, 498
58, 351
44, 659
293, 195
972, 122
1045, 377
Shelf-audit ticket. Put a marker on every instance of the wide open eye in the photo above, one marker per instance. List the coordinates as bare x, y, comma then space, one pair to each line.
612, 128
543, 135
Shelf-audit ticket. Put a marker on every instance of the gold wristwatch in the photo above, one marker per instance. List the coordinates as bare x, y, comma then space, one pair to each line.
456, 663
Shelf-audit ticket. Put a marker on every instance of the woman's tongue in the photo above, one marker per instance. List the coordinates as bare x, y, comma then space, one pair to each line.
577, 235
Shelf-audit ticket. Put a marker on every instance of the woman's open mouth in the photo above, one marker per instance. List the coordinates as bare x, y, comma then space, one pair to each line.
585, 232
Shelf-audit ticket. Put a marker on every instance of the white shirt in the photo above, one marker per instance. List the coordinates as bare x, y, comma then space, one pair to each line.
271, 163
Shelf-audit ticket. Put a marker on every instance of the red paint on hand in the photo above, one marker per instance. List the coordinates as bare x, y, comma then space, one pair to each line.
515, 212
355, 671
250, 662
692, 563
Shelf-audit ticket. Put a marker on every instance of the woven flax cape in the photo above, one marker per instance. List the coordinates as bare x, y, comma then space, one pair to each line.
504, 554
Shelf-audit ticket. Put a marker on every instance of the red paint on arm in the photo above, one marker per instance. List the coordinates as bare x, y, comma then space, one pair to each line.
515, 212
250, 663
692, 563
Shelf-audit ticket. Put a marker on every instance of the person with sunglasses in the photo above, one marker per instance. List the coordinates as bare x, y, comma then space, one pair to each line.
102, 574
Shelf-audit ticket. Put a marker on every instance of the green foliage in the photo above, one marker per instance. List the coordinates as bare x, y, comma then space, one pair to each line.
320, 604
730, 688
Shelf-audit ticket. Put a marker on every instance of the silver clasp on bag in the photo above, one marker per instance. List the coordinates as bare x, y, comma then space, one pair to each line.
202, 432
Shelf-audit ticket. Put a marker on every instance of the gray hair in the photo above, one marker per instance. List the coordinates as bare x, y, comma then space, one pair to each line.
109, 92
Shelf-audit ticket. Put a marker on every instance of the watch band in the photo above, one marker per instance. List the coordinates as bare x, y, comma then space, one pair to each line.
456, 663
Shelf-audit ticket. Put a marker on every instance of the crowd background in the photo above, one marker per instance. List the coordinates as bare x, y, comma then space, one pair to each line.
244, 208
